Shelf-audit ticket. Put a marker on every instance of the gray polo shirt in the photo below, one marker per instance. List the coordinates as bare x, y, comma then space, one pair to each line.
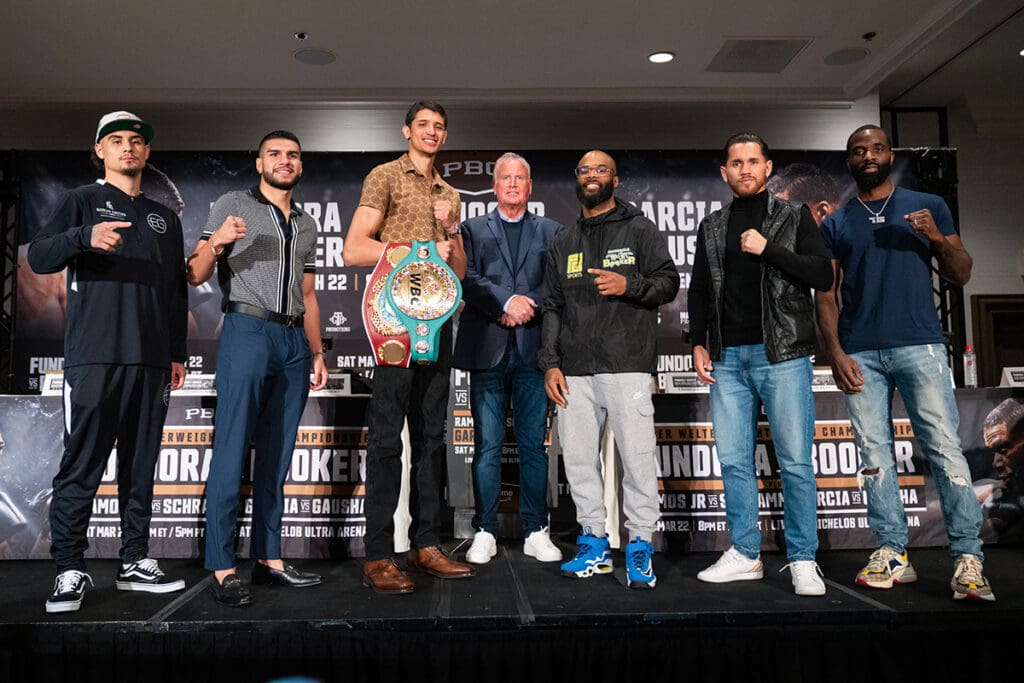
264, 268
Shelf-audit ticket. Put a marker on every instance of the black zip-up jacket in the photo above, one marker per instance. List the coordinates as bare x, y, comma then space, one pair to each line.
129, 307
794, 260
586, 333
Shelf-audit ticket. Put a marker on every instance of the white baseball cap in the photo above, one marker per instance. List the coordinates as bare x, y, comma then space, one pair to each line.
123, 120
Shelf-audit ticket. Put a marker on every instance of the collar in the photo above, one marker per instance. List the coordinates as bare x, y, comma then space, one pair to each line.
255, 193
505, 218
405, 162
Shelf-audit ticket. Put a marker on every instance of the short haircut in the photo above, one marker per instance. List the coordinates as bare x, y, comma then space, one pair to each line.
510, 156
805, 183
740, 138
865, 127
278, 135
420, 105
1010, 412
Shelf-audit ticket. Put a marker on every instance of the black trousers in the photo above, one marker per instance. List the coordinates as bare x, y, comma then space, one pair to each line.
419, 392
104, 404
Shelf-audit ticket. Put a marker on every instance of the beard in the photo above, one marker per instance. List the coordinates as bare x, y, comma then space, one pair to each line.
869, 181
268, 178
596, 199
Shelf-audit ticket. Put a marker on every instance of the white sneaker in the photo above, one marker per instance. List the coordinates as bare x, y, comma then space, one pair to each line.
733, 566
539, 545
806, 575
484, 547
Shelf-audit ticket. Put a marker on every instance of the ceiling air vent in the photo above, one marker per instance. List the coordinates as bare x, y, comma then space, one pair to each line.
757, 56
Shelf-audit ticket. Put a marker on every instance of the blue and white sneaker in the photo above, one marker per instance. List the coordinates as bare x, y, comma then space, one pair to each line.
593, 557
639, 568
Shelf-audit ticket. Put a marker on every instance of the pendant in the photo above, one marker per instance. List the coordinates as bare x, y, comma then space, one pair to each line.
876, 219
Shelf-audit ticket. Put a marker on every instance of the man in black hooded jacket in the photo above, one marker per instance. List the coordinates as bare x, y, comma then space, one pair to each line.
606, 277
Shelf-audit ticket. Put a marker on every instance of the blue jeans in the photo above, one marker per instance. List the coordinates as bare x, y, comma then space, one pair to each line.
744, 376
921, 374
489, 397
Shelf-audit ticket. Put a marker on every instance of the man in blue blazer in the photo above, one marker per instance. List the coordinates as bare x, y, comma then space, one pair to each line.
497, 341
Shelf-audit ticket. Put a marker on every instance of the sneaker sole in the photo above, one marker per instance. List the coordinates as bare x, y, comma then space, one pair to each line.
973, 597
641, 584
815, 593
539, 555
749, 576
484, 560
58, 607
589, 571
905, 577
150, 587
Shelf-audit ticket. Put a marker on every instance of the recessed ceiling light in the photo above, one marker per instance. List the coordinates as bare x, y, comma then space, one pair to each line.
1021, 53
314, 56
850, 55
661, 57
301, 35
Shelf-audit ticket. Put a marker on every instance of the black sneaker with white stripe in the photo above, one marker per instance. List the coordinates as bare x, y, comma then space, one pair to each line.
68, 591
145, 575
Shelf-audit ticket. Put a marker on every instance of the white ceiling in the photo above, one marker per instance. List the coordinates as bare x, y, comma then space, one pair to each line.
197, 53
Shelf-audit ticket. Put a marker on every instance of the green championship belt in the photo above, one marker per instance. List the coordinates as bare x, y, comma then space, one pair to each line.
389, 338
423, 293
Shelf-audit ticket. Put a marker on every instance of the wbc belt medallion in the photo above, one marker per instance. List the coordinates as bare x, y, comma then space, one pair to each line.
423, 293
389, 338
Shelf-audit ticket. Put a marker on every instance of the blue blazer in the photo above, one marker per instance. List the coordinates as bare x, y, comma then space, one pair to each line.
493, 275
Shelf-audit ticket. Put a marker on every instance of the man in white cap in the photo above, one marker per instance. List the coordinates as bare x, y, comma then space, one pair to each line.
124, 351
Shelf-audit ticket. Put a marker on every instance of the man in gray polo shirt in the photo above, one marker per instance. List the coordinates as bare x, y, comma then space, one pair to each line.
269, 339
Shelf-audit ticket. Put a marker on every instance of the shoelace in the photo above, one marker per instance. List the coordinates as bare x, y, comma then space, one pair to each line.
67, 582
879, 559
970, 571
638, 558
149, 565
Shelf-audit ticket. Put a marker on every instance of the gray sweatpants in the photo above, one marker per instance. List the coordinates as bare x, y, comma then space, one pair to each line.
624, 401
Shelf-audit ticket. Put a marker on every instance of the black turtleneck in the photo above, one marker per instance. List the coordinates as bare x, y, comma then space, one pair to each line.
741, 301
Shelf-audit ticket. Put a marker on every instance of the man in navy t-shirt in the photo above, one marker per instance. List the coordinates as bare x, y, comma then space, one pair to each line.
880, 325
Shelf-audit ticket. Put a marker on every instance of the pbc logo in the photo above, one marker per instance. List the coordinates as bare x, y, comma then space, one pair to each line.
338, 318
473, 177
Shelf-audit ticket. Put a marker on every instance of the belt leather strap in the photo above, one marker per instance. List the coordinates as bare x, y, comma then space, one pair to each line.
257, 312
388, 336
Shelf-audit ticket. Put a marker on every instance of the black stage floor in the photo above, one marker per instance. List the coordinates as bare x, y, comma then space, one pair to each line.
520, 620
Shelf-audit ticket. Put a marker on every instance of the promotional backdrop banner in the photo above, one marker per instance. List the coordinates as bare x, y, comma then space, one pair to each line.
675, 189
324, 488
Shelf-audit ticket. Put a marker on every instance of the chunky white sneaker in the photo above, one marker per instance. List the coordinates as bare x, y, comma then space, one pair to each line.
538, 544
733, 566
806, 575
969, 580
886, 568
484, 547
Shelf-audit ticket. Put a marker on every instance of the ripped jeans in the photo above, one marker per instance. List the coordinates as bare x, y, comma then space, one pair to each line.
921, 375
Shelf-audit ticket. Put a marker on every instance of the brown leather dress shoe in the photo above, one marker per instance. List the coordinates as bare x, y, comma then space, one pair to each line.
384, 576
434, 562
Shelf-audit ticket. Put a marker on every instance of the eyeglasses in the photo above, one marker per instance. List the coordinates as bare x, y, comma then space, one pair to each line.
597, 170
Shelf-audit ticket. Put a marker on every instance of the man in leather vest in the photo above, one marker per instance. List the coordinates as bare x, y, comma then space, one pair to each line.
752, 326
